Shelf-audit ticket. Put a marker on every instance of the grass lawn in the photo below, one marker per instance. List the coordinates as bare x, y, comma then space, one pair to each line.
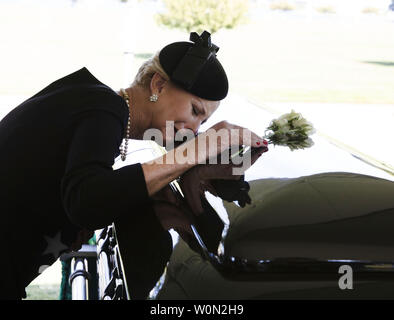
329, 60
285, 59
42, 292
278, 57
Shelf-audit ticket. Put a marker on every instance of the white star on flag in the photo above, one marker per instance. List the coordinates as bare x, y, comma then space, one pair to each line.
54, 246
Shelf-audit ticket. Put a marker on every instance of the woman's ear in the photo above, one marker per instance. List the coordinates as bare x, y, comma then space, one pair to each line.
157, 83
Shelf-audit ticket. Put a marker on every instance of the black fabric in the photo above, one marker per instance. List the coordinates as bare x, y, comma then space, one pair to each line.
145, 248
195, 68
56, 154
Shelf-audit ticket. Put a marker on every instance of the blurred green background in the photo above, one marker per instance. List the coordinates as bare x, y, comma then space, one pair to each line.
313, 51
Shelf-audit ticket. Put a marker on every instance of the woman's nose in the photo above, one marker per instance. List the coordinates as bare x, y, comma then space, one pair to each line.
194, 126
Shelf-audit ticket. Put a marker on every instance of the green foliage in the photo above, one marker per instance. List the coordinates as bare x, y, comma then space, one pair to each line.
325, 9
282, 5
372, 10
200, 15
42, 292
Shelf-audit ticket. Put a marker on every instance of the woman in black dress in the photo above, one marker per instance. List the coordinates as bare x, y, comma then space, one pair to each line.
57, 150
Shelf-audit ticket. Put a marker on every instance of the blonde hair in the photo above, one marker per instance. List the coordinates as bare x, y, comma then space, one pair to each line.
147, 70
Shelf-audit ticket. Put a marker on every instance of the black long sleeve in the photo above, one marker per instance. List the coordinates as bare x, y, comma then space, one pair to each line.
57, 149
93, 194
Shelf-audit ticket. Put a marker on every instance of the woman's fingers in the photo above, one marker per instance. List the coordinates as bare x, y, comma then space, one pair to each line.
226, 171
236, 135
243, 136
256, 153
217, 139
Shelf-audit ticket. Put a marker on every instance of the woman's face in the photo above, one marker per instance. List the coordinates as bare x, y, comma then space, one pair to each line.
185, 111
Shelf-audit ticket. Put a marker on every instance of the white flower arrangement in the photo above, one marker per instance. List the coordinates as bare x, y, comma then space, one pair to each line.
292, 130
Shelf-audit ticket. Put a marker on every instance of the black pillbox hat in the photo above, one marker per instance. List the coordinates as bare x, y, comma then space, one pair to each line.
193, 66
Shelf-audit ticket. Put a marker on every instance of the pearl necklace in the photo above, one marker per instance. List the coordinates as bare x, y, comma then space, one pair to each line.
123, 149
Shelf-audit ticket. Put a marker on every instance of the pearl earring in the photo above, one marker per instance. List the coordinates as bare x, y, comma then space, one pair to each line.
153, 97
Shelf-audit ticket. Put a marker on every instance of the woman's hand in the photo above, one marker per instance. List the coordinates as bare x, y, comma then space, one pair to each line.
218, 179
173, 213
171, 210
220, 137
